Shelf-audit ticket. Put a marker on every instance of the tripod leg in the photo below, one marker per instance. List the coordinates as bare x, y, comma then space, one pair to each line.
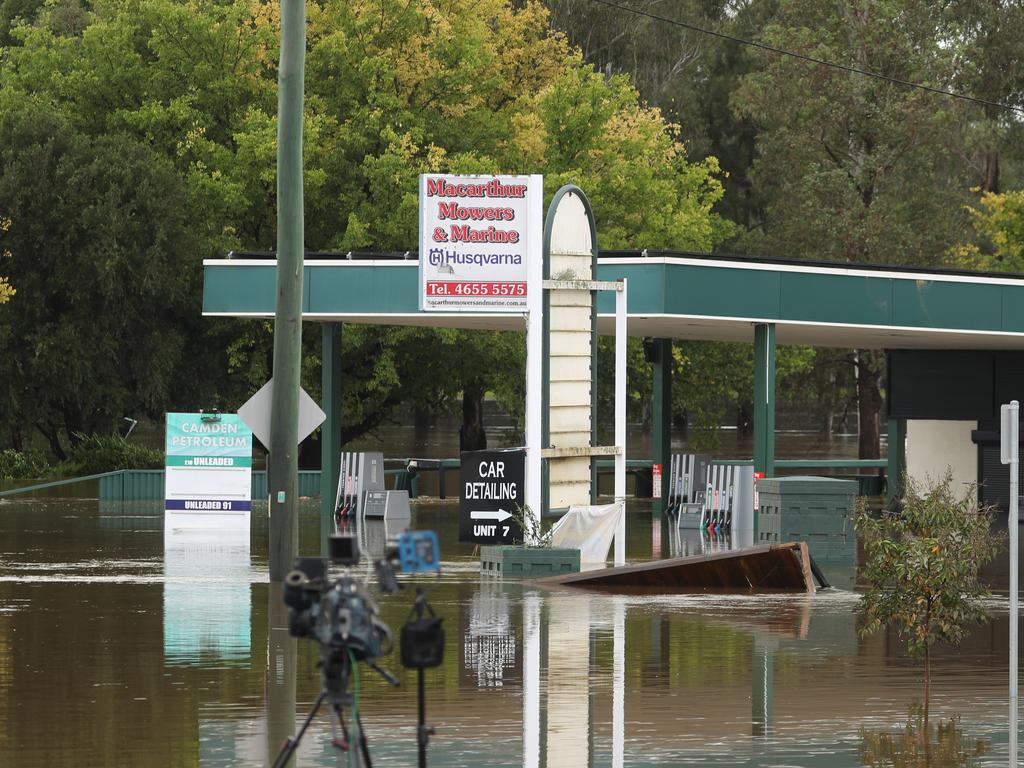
424, 731
363, 746
292, 744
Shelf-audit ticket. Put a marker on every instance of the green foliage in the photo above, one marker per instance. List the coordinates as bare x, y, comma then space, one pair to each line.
856, 169
536, 533
16, 465
710, 377
923, 565
105, 453
464, 86
100, 245
999, 220
6, 290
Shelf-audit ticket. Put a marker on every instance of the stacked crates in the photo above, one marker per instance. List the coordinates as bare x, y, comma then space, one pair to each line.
817, 510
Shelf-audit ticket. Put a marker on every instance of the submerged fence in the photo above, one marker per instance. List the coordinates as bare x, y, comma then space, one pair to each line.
148, 484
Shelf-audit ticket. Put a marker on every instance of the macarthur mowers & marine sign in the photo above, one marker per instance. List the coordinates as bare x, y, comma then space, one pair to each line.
473, 244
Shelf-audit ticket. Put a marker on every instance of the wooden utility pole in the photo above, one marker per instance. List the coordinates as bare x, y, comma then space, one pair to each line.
283, 478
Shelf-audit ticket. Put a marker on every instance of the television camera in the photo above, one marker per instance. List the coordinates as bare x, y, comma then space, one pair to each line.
344, 620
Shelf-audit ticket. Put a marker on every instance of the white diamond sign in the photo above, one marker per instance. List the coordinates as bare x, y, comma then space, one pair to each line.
256, 413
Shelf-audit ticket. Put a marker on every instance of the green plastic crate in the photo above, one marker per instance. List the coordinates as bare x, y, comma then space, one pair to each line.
527, 562
817, 510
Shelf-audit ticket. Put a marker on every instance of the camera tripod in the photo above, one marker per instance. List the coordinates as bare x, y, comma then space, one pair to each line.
338, 666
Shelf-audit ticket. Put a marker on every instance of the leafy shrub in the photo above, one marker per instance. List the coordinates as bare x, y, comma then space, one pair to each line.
106, 453
923, 567
15, 465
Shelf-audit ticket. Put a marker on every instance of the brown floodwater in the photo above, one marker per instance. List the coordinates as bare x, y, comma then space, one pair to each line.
115, 652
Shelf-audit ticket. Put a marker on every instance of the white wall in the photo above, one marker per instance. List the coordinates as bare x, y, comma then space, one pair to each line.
571, 377
934, 445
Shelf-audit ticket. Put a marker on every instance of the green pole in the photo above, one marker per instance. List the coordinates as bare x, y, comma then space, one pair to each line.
283, 466
662, 416
330, 432
897, 456
764, 399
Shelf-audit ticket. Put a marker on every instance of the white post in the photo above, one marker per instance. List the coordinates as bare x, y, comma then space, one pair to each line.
1009, 454
534, 343
531, 681
620, 421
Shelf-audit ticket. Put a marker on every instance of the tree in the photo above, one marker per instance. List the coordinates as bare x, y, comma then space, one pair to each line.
853, 168
472, 87
999, 222
688, 75
6, 290
98, 242
923, 567
916, 745
990, 67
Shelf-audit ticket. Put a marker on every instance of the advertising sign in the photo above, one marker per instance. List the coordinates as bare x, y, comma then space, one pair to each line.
208, 472
491, 489
473, 241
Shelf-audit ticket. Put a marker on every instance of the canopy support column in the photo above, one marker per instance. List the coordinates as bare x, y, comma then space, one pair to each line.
330, 432
764, 399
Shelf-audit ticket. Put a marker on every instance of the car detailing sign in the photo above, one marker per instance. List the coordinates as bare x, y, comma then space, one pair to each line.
491, 491
473, 242
208, 471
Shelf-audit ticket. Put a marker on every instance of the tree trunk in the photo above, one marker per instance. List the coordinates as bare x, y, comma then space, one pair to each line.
745, 418
991, 181
52, 435
472, 436
869, 403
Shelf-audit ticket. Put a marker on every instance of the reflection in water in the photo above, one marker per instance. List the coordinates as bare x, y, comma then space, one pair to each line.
568, 700
940, 744
206, 599
281, 671
531, 680
489, 642
85, 608
762, 678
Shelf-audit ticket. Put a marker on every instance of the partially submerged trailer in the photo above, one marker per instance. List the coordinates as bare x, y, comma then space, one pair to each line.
766, 568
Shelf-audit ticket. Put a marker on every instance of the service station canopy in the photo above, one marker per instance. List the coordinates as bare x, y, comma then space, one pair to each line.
672, 295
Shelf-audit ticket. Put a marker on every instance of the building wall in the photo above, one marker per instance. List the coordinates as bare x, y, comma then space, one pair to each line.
932, 446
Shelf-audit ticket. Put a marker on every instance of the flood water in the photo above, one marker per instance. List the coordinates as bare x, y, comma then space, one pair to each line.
114, 652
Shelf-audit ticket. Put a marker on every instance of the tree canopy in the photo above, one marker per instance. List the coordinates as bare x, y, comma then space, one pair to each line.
681, 140
393, 89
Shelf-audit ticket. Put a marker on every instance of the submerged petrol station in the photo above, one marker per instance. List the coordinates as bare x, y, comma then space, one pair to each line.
955, 340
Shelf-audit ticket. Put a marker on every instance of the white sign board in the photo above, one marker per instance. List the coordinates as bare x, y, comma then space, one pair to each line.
474, 235
208, 473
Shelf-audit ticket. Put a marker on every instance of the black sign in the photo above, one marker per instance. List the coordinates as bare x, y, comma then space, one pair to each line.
491, 493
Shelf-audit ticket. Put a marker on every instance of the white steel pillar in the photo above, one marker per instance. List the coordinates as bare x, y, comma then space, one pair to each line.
534, 346
620, 421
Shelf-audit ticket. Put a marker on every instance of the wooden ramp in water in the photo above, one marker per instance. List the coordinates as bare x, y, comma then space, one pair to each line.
765, 568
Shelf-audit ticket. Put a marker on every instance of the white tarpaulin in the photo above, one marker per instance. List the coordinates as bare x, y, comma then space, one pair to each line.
591, 530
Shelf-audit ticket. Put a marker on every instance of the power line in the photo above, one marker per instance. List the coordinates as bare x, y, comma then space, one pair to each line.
811, 59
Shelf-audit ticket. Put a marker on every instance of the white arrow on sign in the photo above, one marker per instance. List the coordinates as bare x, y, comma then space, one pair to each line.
498, 515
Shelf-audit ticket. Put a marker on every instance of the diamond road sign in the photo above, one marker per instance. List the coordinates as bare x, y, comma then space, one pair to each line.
256, 413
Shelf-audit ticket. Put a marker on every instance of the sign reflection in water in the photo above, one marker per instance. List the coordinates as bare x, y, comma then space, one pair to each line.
489, 641
207, 600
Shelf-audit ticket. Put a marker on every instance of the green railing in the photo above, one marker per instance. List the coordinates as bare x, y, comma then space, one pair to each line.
148, 484
57, 483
